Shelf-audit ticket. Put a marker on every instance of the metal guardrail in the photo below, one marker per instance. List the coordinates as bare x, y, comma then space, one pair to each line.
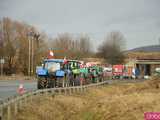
9, 107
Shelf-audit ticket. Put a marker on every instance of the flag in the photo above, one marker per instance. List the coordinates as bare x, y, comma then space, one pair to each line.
65, 60
51, 54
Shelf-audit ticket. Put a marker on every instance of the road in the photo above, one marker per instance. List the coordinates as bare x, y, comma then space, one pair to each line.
9, 87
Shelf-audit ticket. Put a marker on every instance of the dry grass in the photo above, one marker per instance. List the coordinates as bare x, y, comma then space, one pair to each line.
112, 102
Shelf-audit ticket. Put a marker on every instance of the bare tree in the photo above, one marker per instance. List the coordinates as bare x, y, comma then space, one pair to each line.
112, 48
9, 50
66, 45
84, 43
14, 45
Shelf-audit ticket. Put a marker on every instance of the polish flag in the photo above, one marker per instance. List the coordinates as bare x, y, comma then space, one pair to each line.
65, 60
51, 54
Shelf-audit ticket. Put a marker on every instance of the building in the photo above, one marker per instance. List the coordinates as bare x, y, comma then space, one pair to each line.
146, 59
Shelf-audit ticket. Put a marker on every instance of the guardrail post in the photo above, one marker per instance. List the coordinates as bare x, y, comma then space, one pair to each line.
15, 108
46, 93
63, 83
1, 113
81, 88
65, 91
9, 112
74, 90
52, 94
85, 88
59, 91
20, 104
30, 95
25, 99
70, 91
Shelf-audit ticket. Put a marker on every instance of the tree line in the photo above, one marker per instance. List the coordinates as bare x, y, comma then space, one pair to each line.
16, 37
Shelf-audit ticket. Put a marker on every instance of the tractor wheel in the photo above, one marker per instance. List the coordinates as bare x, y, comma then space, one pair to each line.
71, 80
39, 84
42, 83
77, 80
51, 83
67, 78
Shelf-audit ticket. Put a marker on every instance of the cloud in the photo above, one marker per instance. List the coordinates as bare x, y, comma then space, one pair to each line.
138, 20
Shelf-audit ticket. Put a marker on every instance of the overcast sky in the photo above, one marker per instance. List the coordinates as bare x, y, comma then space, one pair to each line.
138, 20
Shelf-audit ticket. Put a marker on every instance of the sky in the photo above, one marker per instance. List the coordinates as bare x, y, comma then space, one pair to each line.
137, 20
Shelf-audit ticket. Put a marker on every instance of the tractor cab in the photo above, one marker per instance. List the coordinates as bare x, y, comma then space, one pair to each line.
74, 66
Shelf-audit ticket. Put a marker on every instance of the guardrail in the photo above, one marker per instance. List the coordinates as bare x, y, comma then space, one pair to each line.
9, 107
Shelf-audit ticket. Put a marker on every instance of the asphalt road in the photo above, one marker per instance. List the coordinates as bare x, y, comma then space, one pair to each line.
9, 87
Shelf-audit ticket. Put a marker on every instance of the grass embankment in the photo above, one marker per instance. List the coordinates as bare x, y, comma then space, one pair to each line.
127, 101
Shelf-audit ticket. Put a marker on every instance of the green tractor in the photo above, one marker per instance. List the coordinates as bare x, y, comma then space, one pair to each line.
85, 75
96, 74
74, 66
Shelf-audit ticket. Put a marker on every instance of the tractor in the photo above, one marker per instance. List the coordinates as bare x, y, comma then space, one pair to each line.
53, 73
96, 73
74, 67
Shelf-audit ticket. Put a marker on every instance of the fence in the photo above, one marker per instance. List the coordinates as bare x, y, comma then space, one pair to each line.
9, 108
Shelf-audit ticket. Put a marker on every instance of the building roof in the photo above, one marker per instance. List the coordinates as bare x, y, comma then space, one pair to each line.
151, 48
151, 52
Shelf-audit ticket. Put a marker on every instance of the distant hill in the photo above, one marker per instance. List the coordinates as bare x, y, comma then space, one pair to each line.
151, 48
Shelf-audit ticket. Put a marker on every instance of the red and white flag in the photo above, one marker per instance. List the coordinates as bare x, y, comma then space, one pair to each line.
51, 54
65, 60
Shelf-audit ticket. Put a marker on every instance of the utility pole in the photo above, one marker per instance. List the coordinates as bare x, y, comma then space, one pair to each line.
32, 68
29, 57
1, 69
32, 37
1, 62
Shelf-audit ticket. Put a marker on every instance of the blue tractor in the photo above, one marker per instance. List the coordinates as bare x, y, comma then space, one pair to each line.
53, 73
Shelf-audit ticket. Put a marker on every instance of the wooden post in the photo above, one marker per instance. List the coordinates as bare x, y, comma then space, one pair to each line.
30, 97
73, 90
25, 100
46, 93
20, 104
81, 89
84, 89
52, 94
63, 82
9, 112
65, 91
59, 91
70, 91
1, 113
15, 108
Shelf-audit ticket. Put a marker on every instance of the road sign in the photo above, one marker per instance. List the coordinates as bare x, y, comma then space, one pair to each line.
2, 61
